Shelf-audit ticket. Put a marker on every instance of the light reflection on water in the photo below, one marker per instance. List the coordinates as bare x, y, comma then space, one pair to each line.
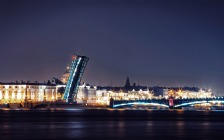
112, 123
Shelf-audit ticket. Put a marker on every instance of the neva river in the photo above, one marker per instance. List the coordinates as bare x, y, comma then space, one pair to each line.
111, 124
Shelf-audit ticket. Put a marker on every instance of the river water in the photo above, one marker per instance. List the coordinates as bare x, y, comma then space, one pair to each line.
111, 124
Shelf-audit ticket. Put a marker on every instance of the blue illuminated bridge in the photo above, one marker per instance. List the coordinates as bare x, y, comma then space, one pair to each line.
169, 103
75, 74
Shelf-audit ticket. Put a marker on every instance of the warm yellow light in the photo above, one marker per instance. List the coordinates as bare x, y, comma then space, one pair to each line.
0, 95
13, 95
6, 95
19, 95
24, 95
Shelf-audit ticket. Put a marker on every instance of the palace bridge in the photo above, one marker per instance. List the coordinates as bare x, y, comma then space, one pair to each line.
169, 103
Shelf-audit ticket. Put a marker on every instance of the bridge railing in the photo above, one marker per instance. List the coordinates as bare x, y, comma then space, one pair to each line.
177, 102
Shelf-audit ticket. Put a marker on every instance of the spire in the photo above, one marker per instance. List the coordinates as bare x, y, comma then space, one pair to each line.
127, 83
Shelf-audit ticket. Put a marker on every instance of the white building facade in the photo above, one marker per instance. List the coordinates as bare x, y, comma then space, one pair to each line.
17, 92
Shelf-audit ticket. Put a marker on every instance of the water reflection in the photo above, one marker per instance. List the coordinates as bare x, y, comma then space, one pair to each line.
180, 129
111, 124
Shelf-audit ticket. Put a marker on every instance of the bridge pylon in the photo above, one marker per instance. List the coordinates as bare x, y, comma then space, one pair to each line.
171, 102
111, 102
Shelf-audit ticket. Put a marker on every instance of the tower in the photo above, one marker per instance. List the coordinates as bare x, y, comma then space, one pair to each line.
66, 74
75, 74
127, 83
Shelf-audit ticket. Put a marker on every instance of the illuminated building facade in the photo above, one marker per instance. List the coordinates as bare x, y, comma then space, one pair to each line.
93, 95
90, 95
187, 94
19, 92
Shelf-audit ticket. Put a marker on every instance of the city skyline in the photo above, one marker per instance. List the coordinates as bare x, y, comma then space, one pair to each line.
156, 43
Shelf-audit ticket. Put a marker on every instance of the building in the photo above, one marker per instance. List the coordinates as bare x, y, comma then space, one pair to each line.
97, 95
89, 95
182, 93
19, 92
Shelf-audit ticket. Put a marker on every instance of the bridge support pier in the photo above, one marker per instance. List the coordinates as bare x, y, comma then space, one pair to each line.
111, 102
170, 107
171, 103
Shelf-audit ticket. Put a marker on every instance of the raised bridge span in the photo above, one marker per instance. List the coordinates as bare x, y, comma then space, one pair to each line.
76, 71
169, 103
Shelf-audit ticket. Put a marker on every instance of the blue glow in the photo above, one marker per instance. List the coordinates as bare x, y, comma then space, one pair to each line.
141, 103
76, 72
70, 80
214, 101
217, 110
191, 103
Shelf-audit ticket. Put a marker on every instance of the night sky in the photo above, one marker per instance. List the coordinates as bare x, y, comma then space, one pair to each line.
158, 42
